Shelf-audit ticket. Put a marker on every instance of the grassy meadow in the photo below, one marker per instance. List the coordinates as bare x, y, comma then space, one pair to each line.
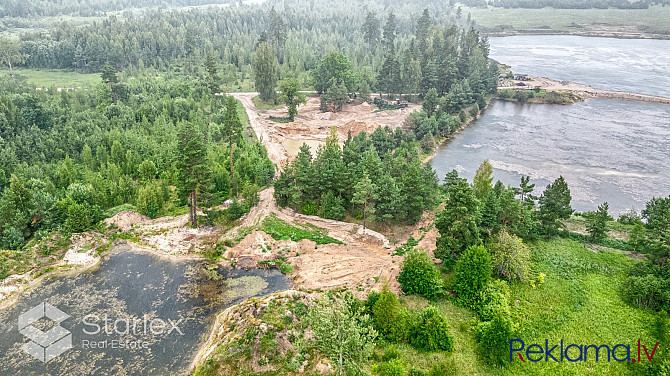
579, 302
652, 20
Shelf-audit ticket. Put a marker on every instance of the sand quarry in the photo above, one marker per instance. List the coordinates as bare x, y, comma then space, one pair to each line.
311, 126
365, 259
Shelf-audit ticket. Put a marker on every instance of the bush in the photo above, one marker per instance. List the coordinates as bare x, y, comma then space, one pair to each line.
417, 372
646, 291
370, 302
472, 273
431, 331
495, 299
444, 369
418, 275
510, 257
390, 319
493, 337
392, 368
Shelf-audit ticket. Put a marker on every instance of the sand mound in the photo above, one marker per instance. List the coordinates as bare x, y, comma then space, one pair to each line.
126, 219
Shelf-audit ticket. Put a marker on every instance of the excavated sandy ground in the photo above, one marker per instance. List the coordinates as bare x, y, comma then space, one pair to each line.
312, 126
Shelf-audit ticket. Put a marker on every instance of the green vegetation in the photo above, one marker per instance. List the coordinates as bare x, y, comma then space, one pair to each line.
376, 178
262, 105
54, 79
280, 230
575, 21
418, 275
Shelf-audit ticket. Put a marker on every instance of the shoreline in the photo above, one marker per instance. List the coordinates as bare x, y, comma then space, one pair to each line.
585, 34
581, 90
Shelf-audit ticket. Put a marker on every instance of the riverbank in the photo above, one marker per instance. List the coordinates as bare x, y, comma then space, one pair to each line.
580, 90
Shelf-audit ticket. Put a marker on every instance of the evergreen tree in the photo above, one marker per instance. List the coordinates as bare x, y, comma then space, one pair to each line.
266, 71
365, 192
596, 222
430, 102
390, 31
389, 75
483, 179
232, 129
213, 79
192, 165
371, 31
457, 223
554, 206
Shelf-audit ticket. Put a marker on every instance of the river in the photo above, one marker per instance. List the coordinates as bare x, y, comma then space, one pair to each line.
135, 288
608, 150
633, 65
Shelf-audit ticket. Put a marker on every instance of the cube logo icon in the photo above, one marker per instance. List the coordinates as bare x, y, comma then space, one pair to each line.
45, 346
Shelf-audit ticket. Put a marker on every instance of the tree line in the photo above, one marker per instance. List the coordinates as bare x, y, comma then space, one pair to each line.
67, 158
378, 177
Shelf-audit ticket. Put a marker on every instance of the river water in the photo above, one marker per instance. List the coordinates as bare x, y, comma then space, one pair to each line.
135, 288
633, 65
608, 150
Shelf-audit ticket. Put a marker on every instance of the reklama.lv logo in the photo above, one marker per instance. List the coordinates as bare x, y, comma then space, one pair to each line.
577, 353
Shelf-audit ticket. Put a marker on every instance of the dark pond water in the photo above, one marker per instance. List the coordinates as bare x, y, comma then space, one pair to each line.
608, 150
141, 290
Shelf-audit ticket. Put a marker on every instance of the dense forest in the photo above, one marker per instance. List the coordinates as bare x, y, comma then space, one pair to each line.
67, 157
47, 8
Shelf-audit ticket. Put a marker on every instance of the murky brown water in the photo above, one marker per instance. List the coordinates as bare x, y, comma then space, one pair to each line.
134, 288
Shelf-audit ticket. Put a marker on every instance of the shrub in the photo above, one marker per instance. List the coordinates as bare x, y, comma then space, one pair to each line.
444, 369
417, 372
645, 291
431, 331
493, 337
370, 302
390, 319
392, 368
391, 353
510, 257
472, 273
494, 299
418, 275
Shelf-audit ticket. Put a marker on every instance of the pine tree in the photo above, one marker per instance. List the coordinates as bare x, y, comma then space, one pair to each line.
483, 179
554, 206
596, 222
232, 128
390, 31
365, 192
213, 79
430, 102
266, 71
389, 75
371, 31
457, 223
192, 165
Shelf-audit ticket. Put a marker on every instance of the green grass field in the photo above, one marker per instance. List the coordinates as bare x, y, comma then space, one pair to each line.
652, 20
579, 303
60, 78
